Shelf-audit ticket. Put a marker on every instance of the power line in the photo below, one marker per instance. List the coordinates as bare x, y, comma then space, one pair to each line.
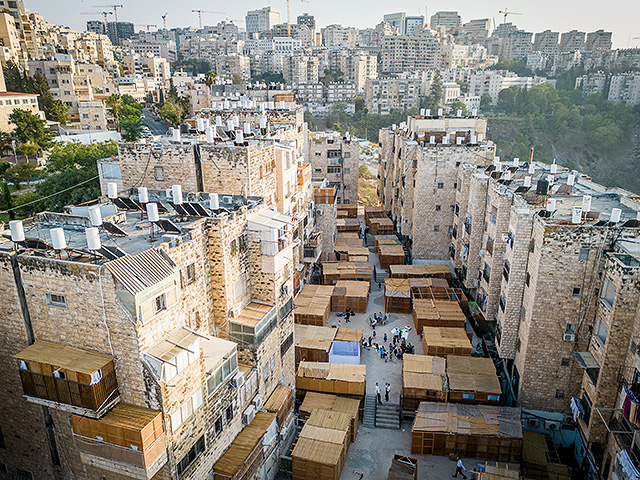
52, 195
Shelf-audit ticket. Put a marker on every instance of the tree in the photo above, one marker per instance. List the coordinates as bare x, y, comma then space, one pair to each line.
435, 93
172, 94
114, 103
5, 144
458, 105
131, 128
485, 102
13, 78
171, 112
20, 172
237, 80
58, 112
309, 119
209, 78
30, 128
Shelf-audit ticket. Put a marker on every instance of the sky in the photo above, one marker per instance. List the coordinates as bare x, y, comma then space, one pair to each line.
618, 16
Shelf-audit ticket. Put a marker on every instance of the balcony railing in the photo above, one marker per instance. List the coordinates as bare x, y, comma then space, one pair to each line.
68, 392
151, 459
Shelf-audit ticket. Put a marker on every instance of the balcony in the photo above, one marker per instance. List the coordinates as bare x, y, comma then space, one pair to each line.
77, 381
128, 438
254, 323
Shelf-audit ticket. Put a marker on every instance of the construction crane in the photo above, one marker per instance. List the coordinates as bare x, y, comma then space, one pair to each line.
506, 12
104, 14
115, 15
115, 9
629, 42
146, 25
200, 12
289, 15
164, 20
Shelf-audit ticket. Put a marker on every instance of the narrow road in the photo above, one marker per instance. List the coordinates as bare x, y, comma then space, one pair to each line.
156, 125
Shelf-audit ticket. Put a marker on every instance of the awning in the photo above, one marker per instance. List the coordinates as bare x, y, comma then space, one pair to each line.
270, 219
176, 342
215, 350
585, 360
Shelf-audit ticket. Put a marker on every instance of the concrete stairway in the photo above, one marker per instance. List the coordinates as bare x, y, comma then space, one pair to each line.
369, 418
388, 415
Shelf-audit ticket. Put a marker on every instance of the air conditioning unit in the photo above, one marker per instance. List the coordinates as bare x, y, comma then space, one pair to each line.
238, 380
569, 337
227, 199
552, 425
234, 312
248, 415
319, 212
533, 422
258, 402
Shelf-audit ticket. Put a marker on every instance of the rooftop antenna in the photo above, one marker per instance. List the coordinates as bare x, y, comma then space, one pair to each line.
164, 20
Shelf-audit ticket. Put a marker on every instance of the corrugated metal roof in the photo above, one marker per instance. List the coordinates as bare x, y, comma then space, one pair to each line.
139, 272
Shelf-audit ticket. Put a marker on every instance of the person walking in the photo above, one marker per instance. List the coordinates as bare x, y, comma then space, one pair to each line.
378, 393
347, 314
459, 468
387, 389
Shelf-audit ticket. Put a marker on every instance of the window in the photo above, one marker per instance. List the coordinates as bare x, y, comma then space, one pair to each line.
111, 171
486, 272
493, 216
527, 279
85, 115
600, 333
184, 412
158, 173
454, 231
489, 247
21, 474
506, 270
2, 444
559, 393
608, 293
585, 401
239, 288
566, 361
333, 153
218, 426
56, 300
194, 452
347, 171
523, 313
502, 301
440, 185
577, 291
227, 369
191, 273
317, 155
584, 253
160, 303
194, 320
436, 228
229, 414
438, 208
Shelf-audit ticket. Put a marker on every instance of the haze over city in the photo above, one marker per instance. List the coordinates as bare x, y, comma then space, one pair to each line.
619, 16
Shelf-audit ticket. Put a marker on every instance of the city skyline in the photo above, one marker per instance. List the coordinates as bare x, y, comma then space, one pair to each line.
616, 16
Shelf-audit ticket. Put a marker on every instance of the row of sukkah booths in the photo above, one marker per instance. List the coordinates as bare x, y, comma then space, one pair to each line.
256, 442
332, 394
456, 378
325, 344
314, 303
378, 221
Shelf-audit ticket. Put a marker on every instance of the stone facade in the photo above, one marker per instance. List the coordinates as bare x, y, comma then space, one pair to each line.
102, 314
337, 159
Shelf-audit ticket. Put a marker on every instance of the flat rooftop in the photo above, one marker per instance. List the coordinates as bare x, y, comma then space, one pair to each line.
126, 228
566, 196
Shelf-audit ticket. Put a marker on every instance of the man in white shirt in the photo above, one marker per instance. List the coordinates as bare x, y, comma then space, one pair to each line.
378, 393
459, 468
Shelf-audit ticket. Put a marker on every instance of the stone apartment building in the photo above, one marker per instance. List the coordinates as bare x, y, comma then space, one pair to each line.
403, 91
402, 53
418, 166
337, 159
551, 259
141, 355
